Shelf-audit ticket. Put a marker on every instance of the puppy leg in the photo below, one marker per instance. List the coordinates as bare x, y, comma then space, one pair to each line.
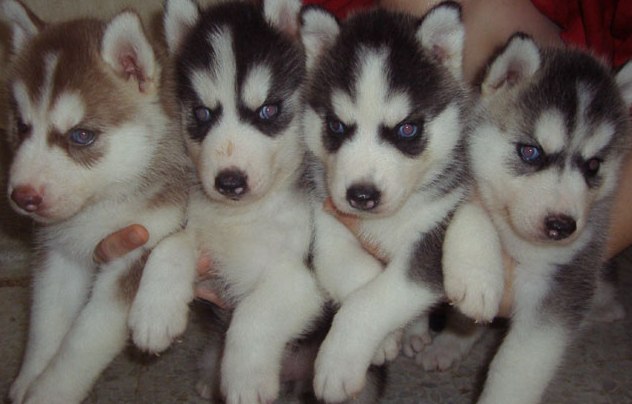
472, 263
97, 335
364, 320
280, 309
160, 309
342, 265
452, 344
526, 361
61, 288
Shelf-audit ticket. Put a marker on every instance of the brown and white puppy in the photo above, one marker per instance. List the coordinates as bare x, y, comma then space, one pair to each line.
94, 149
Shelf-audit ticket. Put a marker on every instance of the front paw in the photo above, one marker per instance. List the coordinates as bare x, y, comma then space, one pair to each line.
340, 373
18, 390
477, 295
416, 337
243, 381
41, 392
154, 325
389, 349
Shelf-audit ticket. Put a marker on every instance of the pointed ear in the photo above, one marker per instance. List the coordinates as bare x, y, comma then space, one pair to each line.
180, 16
24, 23
624, 82
319, 30
518, 61
126, 49
441, 33
283, 15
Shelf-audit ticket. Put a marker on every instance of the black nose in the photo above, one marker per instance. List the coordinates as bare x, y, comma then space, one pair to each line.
232, 182
559, 227
363, 196
26, 198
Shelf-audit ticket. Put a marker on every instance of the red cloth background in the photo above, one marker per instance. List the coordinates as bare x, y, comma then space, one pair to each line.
340, 8
605, 26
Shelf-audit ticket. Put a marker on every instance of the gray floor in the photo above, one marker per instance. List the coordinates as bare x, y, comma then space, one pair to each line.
597, 370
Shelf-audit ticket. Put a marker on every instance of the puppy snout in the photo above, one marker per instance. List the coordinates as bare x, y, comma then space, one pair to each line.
559, 227
232, 183
27, 198
363, 196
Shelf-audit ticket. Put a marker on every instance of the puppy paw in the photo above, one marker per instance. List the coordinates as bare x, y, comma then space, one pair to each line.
443, 353
389, 349
155, 324
416, 336
477, 295
244, 381
18, 390
340, 373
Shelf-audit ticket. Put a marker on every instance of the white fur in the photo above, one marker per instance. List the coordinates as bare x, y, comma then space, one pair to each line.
259, 242
283, 15
78, 319
318, 31
376, 301
534, 346
179, 17
24, 28
125, 43
519, 61
472, 263
443, 33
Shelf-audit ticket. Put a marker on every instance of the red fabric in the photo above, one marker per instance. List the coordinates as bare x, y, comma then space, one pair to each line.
605, 26
341, 8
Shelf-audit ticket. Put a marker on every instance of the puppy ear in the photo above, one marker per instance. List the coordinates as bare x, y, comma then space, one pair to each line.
24, 23
624, 82
126, 49
319, 30
179, 17
518, 61
283, 15
441, 33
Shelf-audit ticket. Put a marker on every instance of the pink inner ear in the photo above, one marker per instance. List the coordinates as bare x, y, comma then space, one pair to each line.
131, 68
439, 53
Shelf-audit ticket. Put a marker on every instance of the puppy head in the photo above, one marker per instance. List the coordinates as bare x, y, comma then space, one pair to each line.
385, 104
556, 132
239, 89
81, 96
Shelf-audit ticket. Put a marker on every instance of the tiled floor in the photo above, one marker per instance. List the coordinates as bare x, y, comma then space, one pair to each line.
597, 370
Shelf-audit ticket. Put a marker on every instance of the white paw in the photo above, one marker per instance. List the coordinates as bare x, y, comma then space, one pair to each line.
477, 295
416, 337
340, 372
156, 323
38, 393
243, 381
18, 390
441, 354
389, 349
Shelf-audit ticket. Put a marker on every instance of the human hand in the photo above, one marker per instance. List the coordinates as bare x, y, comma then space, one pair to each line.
134, 236
120, 243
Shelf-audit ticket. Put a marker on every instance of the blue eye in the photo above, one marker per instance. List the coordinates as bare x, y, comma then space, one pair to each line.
336, 126
82, 137
22, 127
202, 115
591, 167
268, 112
407, 130
529, 153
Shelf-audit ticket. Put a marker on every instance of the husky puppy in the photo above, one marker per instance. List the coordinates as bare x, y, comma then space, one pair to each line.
240, 70
386, 120
546, 153
95, 148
